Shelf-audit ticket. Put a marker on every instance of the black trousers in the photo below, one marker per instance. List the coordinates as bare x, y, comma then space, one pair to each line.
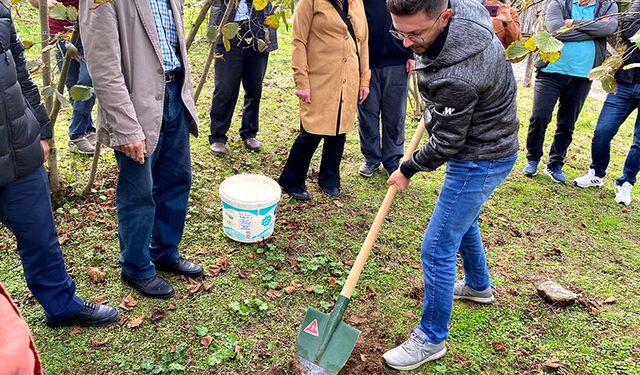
242, 64
571, 93
295, 170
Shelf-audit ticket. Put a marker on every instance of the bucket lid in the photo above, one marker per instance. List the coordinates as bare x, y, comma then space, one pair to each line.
250, 190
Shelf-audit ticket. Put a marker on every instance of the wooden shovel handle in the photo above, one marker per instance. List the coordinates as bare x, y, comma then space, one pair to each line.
358, 266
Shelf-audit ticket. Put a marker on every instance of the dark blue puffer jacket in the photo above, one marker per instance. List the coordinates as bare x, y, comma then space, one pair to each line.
23, 119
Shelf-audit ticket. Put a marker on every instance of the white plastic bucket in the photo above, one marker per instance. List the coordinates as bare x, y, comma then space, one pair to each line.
249, 205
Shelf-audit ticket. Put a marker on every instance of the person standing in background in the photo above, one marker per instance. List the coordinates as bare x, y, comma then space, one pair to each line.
82, 133
390, 63
506, 22
245, 63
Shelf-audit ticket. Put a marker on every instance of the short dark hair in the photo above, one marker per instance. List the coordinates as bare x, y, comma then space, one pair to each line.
410, 7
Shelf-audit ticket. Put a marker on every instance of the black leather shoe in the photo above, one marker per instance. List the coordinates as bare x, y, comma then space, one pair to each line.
89, 316
154, 287
332, 192
181, 267
298, 194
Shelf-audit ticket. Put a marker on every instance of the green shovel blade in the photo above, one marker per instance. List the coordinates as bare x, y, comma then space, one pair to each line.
316, 328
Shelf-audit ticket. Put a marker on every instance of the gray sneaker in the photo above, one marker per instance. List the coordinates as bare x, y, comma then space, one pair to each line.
367, 169
462, 291
91, 137
414, 352
81, 146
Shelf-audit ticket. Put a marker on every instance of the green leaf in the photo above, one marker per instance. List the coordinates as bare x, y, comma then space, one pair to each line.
319, 289
260, 4
212, 33
550, 57
261, 305
547, 43
609, 84
598, 72
27, 44
63, 101
230, 30
58, 12
272, 284
516, 52
530, 45
48, 91
202, 331
81, 93
72, 13
226, 43
631, 66
272, 22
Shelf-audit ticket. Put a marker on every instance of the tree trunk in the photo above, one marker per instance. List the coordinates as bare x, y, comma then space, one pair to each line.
198, 23
43, 9
94, 164
212, 50
528, 73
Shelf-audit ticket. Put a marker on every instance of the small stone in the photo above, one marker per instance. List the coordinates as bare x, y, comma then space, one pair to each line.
555, 294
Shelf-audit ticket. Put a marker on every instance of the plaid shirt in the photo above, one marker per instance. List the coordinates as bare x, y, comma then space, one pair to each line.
166, 27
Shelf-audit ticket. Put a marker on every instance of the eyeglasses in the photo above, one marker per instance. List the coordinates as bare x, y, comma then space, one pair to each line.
414, 37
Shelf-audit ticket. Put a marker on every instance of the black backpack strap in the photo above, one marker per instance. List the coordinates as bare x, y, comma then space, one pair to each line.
344, 12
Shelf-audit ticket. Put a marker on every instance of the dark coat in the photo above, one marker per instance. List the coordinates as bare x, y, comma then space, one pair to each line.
23, 119
630, 26
257, 19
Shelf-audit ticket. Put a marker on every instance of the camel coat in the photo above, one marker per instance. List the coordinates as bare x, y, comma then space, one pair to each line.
324, 59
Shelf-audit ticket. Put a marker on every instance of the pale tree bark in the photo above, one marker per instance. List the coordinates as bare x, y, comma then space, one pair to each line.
198, 22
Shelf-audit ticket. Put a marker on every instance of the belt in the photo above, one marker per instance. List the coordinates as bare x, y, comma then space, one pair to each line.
173, 75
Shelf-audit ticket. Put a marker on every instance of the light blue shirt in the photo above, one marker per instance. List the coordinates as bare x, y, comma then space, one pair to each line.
576, 58
242, 13
168, 34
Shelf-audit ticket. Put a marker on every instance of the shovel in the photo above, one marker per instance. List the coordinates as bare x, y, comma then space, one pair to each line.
325, 342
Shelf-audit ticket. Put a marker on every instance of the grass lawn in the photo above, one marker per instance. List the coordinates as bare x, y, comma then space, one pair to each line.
533, 229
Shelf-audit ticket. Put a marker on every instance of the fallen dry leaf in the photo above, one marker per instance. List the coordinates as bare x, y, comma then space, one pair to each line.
274, 293
206, 341
135, 323
157, 314
610, 300
339, 204
97, 344
243, 274
332, 281
123, 320
75, 331
553, 363
354, 320
96, 275
363, 358
498, 347
221, 265
99, 300
193, 286
290, 289
309, 289
293, 262
296, 283
411, 315
128, 303
171, 307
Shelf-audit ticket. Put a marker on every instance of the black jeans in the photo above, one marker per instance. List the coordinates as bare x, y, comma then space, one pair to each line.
242, 64
295, 170
550, 88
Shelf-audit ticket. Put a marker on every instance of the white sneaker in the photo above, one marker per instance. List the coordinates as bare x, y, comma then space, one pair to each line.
623, 194
414, 352
589, 180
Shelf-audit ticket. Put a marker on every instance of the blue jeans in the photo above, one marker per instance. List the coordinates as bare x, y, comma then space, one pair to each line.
454, 227
152, 197
387, 101
25, 208
615, 111
78, 74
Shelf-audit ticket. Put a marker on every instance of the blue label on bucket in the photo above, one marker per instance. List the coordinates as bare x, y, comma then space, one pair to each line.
248, 225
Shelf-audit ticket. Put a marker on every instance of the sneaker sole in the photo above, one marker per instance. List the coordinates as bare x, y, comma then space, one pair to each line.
623, 203
587, 186
432, 357
530, 174
74, 150
481, 300
219, 154
553, 179
365, 174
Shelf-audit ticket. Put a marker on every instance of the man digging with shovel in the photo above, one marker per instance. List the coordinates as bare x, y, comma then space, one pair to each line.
470, 93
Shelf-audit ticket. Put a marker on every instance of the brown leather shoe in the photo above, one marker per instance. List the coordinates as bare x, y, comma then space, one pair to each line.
253, 144
219, 149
